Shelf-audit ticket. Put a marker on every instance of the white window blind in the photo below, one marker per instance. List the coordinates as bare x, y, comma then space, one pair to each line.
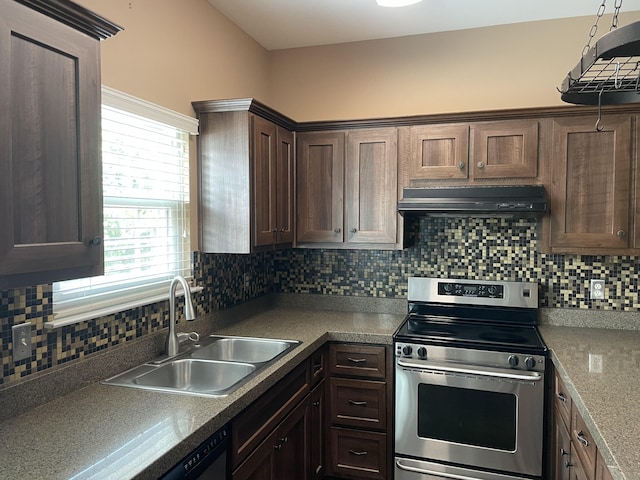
146, 214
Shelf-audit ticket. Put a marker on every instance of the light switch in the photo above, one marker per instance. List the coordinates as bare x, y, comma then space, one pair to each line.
21, 337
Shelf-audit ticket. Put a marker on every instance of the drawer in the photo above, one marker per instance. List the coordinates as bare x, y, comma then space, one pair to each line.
358, 360
562, 401
583, 444
358, 403
358, 454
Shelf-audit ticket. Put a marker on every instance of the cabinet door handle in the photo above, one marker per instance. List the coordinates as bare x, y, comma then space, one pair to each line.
358, 454
353, 230
278, 447
316, 404
563, 452
337, 230
562, 397
568, 464
357, 360
357, 403
621, 233
460, 165
582, 439
95, 241
284, 440
480, 164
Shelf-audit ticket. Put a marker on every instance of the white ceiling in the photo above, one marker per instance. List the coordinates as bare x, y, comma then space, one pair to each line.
278, 24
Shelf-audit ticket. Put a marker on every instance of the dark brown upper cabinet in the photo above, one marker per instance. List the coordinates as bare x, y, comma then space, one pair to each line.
245, 173
50, 148
466, 152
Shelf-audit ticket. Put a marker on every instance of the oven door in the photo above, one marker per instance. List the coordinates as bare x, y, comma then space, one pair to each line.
481, 417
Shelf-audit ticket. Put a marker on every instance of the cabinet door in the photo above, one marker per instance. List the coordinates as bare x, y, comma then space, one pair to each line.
50, 151
320, 182
284, 187
562, 458
265, 181
291, 445
590, 183
602, 471
439, 151
371, 185
507, 149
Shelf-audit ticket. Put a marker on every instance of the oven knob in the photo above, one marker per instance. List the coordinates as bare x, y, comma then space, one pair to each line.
530, 362
422, 352
513, 360
407, 350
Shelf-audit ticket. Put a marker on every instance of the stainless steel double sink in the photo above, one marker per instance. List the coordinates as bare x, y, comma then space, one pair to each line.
214, 366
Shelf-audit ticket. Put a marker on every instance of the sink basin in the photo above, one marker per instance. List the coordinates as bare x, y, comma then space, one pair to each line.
213, 367
242, 349
201, 376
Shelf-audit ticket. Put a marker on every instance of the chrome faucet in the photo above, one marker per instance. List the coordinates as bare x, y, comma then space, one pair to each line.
189, 314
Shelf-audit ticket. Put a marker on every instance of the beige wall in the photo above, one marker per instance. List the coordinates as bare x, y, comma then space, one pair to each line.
174, 51
481, 69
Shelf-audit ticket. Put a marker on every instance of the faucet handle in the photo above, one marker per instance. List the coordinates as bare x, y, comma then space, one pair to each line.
184, 336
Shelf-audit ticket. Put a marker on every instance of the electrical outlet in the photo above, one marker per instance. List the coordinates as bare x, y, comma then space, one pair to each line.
595, 363
597, 289
21, 337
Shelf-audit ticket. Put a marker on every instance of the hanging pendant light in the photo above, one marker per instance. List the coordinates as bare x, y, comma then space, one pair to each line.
396, 3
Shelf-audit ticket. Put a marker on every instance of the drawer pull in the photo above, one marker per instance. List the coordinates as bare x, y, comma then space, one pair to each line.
357, 403
358, 454
357, 360
561, 397
581, 438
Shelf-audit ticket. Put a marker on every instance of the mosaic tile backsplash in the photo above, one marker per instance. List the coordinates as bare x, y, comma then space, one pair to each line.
489, 249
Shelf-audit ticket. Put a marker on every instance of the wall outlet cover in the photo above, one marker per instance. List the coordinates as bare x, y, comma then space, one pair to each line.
21, 337
597, 289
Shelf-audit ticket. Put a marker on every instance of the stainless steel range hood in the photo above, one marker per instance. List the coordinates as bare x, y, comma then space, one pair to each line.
517, 201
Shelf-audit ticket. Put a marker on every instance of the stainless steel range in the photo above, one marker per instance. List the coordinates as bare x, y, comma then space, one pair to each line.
469, 382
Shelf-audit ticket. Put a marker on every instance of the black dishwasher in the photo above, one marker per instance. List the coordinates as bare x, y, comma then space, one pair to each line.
208, 461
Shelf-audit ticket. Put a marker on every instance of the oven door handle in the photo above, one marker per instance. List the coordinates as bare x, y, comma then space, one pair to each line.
409, 468
484, 371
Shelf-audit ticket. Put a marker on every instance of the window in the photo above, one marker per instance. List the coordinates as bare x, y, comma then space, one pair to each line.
145, 161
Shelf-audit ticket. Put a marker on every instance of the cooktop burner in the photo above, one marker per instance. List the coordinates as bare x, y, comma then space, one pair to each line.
499, 316
470, 333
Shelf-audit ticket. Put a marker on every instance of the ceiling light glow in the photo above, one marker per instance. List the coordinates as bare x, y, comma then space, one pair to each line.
396, 3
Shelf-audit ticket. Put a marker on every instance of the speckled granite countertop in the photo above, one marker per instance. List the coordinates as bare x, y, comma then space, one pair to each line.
609, 401
110, 432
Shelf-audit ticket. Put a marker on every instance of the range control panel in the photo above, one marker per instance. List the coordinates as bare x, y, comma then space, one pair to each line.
471, 290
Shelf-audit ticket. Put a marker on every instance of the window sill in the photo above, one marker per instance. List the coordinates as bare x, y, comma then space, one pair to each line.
101, 312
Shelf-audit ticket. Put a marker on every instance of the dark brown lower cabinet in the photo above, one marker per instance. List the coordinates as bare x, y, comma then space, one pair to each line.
576, 456
311, 427
359, 411
283, 455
